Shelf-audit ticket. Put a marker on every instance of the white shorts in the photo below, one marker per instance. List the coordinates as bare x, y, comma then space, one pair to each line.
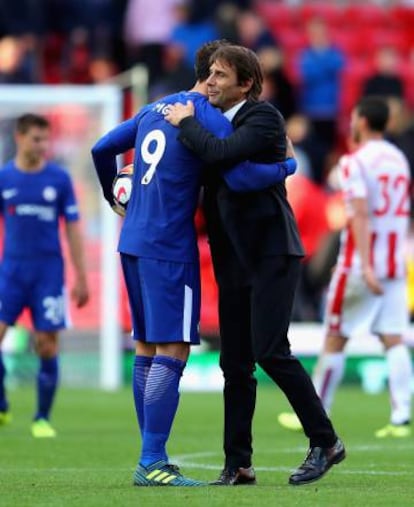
352, 308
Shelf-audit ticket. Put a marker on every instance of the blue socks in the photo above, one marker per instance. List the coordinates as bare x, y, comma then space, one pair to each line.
142, 365
47, 380
3, 402
160, 406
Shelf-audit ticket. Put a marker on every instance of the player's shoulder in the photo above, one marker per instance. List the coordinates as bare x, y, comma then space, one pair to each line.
56, 171
260, 106
7, 170
7, 166
260, 111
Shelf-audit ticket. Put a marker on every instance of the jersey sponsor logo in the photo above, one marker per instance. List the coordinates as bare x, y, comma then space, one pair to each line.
44, 213
49, 194
8, 193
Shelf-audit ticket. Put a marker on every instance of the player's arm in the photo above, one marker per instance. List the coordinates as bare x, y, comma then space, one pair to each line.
80, 291
252, 176
68, 209
263, 127
104, 153
361, 234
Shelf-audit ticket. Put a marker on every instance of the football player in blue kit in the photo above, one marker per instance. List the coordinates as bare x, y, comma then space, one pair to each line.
159, 256
34, 195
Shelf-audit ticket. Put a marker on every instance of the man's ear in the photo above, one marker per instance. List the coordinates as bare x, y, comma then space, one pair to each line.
246, 85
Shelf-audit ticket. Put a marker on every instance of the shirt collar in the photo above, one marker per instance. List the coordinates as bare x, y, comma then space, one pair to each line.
231, 113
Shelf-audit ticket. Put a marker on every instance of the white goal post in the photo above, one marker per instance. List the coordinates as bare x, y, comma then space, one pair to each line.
96, 109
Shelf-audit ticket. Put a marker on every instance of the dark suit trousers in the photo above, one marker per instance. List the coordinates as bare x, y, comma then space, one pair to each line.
254, 321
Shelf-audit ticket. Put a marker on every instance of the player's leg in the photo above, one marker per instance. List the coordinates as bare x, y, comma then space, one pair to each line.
46, 344
399, 384
390, 326
5, 416
144, 352
171, 308
161, 399
49, 309
12, 302
329, 370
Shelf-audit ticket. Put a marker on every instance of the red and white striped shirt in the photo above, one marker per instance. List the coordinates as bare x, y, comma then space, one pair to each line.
378, 172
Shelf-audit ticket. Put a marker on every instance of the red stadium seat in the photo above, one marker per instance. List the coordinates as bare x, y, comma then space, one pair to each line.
390, 37
351, 44
353, 77
365, 14
277, 15
331, 13
292, 40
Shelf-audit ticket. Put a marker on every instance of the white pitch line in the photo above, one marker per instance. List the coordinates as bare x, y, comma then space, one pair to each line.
185, 460
291, 450
189, 464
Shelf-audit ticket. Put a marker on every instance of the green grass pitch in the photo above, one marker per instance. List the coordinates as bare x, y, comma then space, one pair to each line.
92, 460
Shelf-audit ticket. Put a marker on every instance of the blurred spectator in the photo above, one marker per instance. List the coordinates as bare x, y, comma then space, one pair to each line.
226, 21
102, 68
18, 60
320, 66
308, 150
76, 66
385, 80
192, 31
277, 88
148, 25
252, 31
100, 19
178, 75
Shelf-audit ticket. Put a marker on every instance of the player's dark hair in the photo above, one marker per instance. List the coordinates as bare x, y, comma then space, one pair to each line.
28, 120
202, 60
376, 112
246, 64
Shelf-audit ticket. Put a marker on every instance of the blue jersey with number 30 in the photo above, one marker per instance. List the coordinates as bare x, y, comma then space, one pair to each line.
159, 222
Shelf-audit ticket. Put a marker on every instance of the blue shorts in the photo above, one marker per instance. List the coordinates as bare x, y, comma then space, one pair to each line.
164, 298
37, 285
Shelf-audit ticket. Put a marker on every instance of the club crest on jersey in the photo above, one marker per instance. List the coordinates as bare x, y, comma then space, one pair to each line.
49, 194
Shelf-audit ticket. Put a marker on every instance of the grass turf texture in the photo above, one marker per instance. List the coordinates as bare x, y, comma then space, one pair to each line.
91, 462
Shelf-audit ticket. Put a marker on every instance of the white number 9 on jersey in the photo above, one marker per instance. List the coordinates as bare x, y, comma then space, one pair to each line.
156, 140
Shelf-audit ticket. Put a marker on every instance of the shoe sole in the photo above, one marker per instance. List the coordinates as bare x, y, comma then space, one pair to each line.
341, 456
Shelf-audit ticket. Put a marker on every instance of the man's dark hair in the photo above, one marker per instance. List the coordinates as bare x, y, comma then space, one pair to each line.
202, 60
28, 120
246, 64
376, 112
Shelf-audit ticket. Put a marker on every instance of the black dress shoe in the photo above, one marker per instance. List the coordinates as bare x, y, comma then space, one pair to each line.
236, 477
317, 462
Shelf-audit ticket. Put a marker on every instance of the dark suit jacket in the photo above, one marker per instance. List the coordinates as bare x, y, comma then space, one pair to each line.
244, 227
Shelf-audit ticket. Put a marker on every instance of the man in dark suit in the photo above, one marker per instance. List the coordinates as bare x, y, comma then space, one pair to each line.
256, 253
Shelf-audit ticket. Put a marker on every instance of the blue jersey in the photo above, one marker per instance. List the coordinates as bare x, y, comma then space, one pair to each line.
167, 177
31, 204
159, 222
